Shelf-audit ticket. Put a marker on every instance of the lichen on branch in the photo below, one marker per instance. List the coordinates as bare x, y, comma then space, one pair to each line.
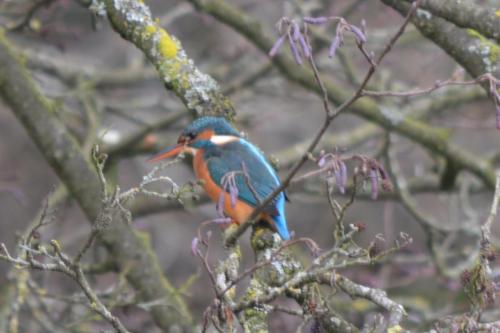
132, 19
437, 140
61, 150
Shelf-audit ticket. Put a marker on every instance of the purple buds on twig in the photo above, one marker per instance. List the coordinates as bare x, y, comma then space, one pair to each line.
194, 246
277, 45
379, 178
233, 195
228, 183
341, 176
295, 31
306, 49
315, 20
338, 40
358, 33
368, 168
222, 220
336, 43
292, 32
294, 50
297, 40
220, 205
374, 183
336, 167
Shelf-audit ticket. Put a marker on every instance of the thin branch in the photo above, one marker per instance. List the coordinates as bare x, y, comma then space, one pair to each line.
436, 86
376, 296
200, 93
434, 139
330, 116
60, 149
486, 228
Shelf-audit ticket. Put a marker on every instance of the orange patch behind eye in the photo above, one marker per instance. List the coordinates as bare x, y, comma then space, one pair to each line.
206, 134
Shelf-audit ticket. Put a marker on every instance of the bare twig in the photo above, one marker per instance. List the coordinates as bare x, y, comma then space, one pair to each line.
436, 86
25, 21
486, 228
330, 116
62, 263
377, 296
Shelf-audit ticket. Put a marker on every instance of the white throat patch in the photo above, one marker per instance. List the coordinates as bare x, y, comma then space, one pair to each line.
223, 139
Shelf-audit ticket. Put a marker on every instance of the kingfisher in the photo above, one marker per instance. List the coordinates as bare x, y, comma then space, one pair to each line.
219, 150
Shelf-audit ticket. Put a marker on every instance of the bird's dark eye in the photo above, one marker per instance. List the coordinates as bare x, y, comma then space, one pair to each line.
186, 137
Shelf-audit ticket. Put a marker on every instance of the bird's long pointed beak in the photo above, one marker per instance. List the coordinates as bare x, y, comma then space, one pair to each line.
168, 152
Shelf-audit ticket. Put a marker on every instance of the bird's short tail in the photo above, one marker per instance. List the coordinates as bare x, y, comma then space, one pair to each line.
280, 224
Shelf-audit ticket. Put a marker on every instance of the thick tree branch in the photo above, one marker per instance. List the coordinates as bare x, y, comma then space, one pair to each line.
466, 14
132, 19
377, 296
60, 149
434, 139
469, 48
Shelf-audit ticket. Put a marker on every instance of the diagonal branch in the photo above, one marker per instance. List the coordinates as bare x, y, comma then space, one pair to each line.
60, 149
466, 14
200, 93
469, 48
330, 116
434, 139
377, 296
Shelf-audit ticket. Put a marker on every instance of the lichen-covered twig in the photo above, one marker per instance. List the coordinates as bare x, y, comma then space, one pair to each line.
486, 228
478, 55
330, 116
286, 277
60, 262
357, 136
434, 139
477, 280
200, 93
377, 296
15, 297
25, 21
469, 48
437, 85
467, 14
60, 149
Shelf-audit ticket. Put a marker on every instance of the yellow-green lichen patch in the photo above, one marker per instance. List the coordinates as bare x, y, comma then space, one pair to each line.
22, 287
497, 13
361, 305
487, 48
149, 30
166, 45
170, 69
395, 329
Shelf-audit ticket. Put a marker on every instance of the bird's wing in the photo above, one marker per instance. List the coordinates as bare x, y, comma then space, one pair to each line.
261, 176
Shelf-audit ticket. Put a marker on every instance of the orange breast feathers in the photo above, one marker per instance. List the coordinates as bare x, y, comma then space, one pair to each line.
241, 210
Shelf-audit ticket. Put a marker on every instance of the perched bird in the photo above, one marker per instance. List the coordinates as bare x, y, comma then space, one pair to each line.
232, 169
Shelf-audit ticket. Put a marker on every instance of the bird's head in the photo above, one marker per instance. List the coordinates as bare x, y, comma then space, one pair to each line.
201, 133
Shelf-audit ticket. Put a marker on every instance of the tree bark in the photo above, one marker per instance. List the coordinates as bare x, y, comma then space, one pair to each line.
129, 249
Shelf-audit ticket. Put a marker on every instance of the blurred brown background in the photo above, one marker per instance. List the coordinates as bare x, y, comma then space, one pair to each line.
75, 60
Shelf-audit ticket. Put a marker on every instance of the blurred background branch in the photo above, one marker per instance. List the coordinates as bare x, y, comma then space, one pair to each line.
414, 259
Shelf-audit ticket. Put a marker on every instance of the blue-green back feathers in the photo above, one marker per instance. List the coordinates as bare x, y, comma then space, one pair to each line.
262, 178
